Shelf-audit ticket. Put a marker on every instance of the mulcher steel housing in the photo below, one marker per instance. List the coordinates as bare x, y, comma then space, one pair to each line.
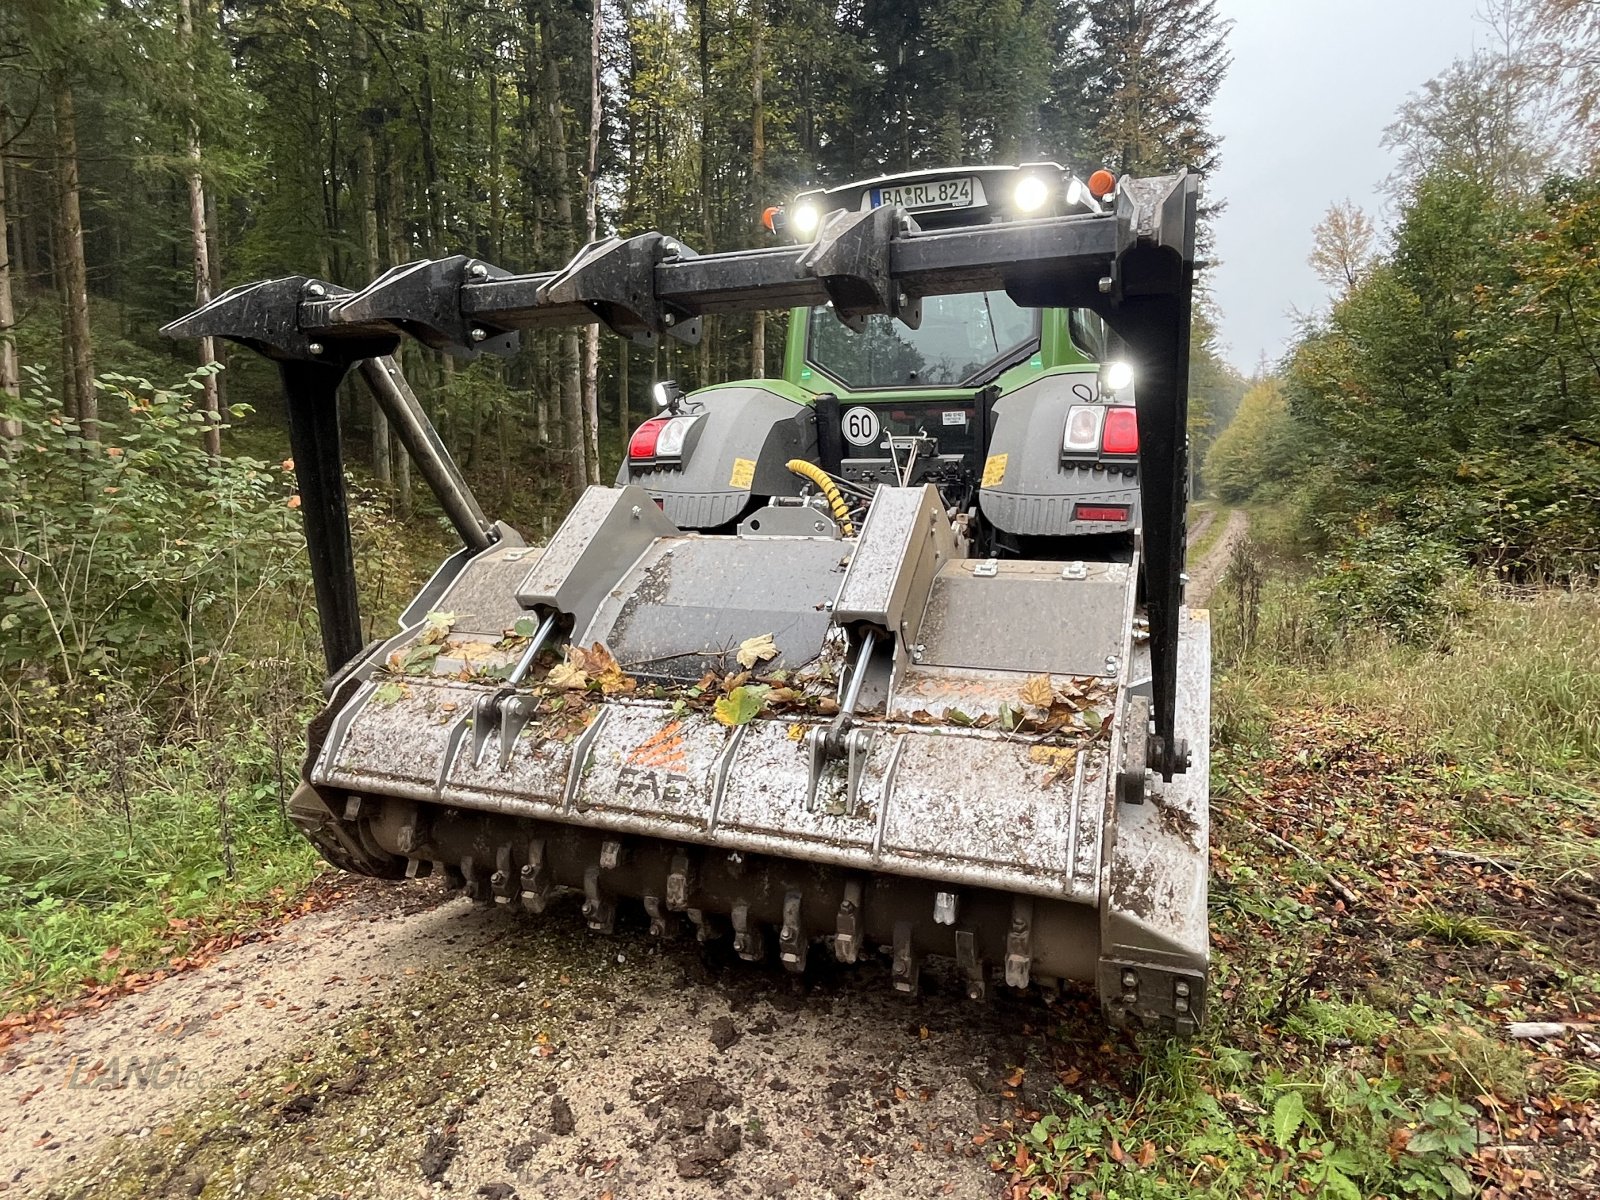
971, 744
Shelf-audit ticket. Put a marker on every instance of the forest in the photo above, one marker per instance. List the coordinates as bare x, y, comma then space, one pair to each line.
1394, 524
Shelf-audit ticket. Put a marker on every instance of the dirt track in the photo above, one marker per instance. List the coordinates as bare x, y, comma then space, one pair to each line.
374, 1052
1208, 572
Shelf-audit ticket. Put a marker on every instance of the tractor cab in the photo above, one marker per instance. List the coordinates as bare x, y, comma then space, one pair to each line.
1021, 416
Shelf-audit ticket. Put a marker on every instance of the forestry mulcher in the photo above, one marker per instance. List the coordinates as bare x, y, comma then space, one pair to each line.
888, 655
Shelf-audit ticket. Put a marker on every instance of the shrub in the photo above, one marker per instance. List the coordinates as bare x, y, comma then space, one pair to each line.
133, 563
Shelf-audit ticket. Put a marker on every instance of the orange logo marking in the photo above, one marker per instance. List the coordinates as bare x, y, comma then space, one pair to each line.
662, 749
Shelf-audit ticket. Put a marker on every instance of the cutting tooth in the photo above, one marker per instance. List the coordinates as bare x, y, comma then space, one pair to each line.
535, 879
707, 926
748, 943
847, 935
792, 937
970, 964
476, 881
907, 968
678, 882
663, 923
500, 883
1019, 942
599, 909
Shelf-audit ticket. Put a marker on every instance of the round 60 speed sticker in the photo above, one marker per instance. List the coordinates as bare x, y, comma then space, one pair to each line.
861, 426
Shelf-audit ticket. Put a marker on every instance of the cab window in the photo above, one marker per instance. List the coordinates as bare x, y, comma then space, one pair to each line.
960, 340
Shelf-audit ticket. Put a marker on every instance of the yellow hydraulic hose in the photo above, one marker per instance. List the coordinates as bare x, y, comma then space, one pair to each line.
818, 476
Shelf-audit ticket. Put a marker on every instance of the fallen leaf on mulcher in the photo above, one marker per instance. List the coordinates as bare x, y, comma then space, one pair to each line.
738, 707
1037, 692
568, 675
756, 649
438, 626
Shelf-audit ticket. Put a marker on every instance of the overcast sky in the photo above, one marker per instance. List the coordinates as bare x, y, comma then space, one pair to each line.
1301, 115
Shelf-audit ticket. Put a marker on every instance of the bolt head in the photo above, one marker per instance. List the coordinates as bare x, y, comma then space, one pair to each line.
478, 333
1181, 988
1130, 980
478, 271
1106, 284
668, 319
316, 290
314, 347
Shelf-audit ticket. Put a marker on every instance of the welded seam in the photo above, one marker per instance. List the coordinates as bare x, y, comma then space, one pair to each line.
719, 778
886, 797
580, 759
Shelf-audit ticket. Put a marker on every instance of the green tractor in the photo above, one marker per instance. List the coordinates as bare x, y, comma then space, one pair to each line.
885, 656
1022, 417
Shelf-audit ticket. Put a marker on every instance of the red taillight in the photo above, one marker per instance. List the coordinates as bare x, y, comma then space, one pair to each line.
1100, 512
643, 442
1121, 433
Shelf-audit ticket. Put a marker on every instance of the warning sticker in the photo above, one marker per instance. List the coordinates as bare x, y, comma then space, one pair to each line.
744, 473
994, 470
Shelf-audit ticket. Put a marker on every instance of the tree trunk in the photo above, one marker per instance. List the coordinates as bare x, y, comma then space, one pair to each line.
591, 224
10, 377
198, 239
571, 399
399, 252
367, 185
703, 351
624, 418
758, 156
75, 275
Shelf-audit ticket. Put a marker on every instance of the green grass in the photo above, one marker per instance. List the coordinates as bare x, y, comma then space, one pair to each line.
83, 873
1219, 524
1504, 679
1360, 1051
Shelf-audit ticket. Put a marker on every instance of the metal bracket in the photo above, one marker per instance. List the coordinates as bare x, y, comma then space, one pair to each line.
851, 260
424, 299
515, 713
1135, 746
265, 316
616, 280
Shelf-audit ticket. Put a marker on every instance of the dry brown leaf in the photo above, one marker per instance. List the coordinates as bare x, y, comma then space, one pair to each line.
569, 674
756, 649
1038, 692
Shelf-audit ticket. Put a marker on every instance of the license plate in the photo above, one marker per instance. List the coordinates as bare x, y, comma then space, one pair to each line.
962, 192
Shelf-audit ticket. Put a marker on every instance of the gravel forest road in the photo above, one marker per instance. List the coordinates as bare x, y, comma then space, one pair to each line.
451, 1050
401, 1044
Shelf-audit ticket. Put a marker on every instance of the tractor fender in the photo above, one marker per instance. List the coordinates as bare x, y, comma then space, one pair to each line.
1027, 489
734, 458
